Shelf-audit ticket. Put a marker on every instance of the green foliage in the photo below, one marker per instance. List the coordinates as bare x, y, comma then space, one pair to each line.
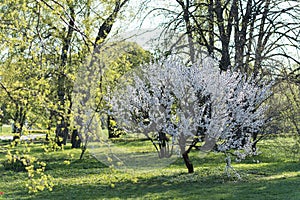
42, 54
284, 109
119, 59
19, 159
46, 43
14, 163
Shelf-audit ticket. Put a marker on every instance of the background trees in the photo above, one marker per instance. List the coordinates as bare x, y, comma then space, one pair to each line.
23, 82
79, 36
258, 38
253, 36
45, 42
99, 80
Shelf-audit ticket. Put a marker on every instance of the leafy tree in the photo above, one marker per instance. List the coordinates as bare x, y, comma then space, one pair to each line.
192, 107
22, 75
284, 109
120, 58
99, 80
61, 35
45, 42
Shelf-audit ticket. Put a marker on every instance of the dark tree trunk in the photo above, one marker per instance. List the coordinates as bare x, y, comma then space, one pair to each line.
110, 127
163, 144
62, 133
187, 162
260, 41
16, 132
83, 149
19, 119
188, 26
62, 93
185, 153
225, 34
75, 139
255, 140
211, 28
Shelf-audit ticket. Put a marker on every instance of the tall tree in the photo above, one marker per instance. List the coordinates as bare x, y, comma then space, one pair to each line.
257, 37
77, 20
22, 73
50, 40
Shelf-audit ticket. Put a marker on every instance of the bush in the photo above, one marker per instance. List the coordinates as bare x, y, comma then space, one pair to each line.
18, 163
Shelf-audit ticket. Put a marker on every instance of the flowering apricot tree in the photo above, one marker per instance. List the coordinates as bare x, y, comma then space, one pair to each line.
195, 107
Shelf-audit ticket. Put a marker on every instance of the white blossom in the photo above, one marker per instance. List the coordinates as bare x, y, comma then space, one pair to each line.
198, 103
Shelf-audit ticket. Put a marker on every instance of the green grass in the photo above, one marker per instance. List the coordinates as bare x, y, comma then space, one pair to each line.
274, 174
5, 130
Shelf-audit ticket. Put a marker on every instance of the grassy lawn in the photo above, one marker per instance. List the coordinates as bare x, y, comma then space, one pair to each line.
274, 174
5, 130
6, 133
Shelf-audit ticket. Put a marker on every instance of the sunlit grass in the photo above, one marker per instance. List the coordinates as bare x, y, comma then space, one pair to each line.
5, 130
274, 174
283, 175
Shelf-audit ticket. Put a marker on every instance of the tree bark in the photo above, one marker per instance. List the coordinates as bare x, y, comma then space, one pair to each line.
62, 130
185, 153
224, 35
110, 128
102, 34
188, 26
261, 34
187, 162
75, 140
211, 28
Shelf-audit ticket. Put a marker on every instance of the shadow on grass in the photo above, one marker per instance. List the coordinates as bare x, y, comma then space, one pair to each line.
91, 179
203, 184
165, 188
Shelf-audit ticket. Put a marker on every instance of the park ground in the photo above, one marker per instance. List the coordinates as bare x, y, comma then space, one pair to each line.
273, 174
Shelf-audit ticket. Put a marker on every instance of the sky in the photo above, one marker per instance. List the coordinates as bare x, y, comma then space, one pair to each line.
142, 32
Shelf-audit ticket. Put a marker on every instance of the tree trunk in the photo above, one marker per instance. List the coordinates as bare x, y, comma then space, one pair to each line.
260, 43
75, 140
211, 28
19, 119
188, 27
110, 127
16, 132
225, 34
83, 149
63, 92
62, 133
187, 162
185, 153
163, 145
